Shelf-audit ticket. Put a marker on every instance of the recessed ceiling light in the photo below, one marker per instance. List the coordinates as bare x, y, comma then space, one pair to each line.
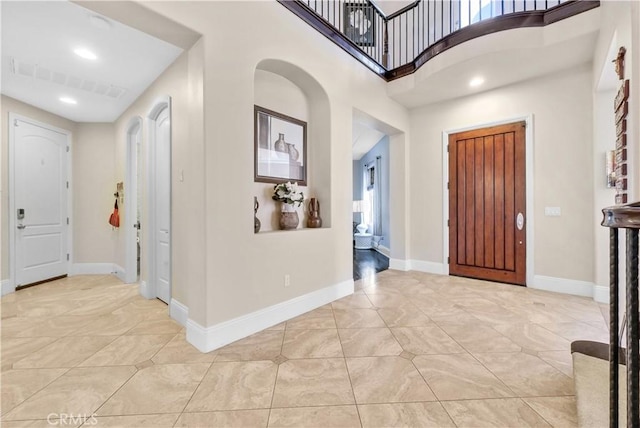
85, 53
68, 100
476, 81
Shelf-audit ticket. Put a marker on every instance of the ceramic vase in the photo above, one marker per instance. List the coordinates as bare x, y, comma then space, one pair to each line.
256, 220
289, 217
314, 221
294, 154
280, 145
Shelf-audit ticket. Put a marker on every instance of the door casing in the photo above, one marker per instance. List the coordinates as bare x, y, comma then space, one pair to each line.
12, 203
148, 289
529, 120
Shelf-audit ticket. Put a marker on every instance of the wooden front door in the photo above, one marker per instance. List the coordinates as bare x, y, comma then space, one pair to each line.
487, 227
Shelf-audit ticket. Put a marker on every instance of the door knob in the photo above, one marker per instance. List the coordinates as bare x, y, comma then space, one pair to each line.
520, 221
21, 226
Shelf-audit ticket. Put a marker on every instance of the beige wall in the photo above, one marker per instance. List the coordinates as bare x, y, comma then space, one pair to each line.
620, 26
220, 268
93, 186
276, 93
604, 139
244, 271
14, 106
561, 106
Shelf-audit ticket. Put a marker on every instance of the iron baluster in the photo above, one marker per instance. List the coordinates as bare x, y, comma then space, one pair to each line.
613, 327
441, 4
633, 413
385, 53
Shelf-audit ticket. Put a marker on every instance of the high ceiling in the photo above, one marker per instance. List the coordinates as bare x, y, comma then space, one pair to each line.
364, 138
500, 59
391, 6
39, 65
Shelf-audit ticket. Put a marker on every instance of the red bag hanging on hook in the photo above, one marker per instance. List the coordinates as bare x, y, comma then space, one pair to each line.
114, 219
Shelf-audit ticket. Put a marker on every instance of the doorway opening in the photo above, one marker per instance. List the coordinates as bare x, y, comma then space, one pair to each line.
371, 226
487, 204
159, 229
132, 201
39, 202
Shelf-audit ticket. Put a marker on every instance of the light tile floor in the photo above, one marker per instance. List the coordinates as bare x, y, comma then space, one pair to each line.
407, 349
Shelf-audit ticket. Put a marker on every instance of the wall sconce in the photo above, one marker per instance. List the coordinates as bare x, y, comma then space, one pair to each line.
611, 168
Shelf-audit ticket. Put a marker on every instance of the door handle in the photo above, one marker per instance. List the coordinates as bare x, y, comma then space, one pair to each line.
520, 221
22, 226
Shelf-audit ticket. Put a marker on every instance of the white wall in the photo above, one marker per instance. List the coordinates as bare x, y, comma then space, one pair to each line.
563, 175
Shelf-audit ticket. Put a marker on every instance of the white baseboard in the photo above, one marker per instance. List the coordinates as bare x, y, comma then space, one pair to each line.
145, 291
383, 250
91, 269
562, 285
417, 265
429, 267
119, 271
179, 312
207, 339
7, 286
601, 294
398, 264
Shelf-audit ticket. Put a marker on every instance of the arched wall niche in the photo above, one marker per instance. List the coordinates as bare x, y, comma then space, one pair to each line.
288, 89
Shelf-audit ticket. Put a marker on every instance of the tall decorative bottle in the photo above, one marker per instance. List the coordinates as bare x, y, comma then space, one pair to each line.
256, 220
314, 220
280, 145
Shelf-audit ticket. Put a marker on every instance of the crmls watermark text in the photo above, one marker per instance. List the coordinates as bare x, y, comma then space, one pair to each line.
62, 419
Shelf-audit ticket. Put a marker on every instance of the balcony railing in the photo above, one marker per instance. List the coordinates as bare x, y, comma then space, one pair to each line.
397, 44
625, 217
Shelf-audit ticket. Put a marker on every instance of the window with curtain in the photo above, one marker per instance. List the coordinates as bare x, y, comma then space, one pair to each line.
371, 196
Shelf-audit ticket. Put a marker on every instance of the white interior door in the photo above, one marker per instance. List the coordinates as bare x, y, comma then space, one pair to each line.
162, 147
40, 202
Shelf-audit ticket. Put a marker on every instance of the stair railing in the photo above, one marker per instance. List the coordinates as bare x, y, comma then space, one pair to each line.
399, 38
625, 217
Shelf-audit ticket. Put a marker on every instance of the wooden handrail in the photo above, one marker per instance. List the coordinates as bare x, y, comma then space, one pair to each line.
622, 216
378, 60
625, 217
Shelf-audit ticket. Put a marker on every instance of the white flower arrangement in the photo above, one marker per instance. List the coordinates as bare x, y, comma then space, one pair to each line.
288, 193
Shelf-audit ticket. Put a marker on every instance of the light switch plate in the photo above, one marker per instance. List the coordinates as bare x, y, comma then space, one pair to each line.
552, 211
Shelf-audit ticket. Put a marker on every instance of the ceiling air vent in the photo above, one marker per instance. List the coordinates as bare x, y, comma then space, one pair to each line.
22, 69
59, 78
115, 92
26, 69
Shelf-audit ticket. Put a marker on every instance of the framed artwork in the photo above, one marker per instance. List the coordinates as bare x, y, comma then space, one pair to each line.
359, 23
280, 148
